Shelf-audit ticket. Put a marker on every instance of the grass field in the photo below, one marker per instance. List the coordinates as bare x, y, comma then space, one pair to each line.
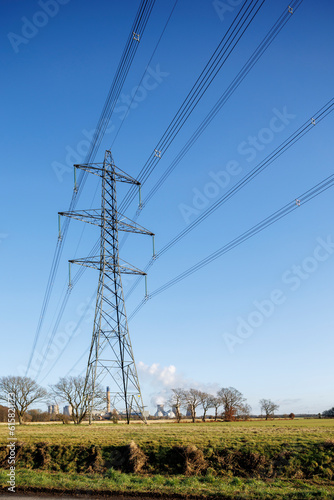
160, 434
247, 460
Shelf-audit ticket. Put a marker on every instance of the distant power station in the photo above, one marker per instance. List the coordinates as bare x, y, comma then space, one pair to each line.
67, 410
162, 413
53, 409
108, 400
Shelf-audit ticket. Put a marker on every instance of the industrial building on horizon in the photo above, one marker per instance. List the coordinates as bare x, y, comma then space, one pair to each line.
108, 399
162, 413
67, 410
53, 409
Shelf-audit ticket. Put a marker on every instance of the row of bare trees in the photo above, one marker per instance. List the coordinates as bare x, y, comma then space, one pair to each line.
22, 392
229, 399
228, 402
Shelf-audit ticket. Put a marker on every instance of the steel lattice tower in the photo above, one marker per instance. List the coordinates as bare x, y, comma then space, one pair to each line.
111, 357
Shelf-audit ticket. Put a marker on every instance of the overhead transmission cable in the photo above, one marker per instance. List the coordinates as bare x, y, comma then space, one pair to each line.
71, 336
253, 59
82, 269
143, 75
293, 205
224, 49
234, 33
290, 141
121, 73
215, 63
320, 115
281, 149
138, 28
259, 51
256, 55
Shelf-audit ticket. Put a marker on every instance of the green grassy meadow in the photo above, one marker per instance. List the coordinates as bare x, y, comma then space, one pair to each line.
247, 460
170, 433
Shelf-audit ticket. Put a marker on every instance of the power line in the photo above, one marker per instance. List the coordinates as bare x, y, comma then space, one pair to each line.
295, 137
131, 47
236, 30
214, 62
320, 115
253, 59
71, 336
144, 73
94, 249
293, 205
256, 55
121, 73
257, 50
74, 281
224, 49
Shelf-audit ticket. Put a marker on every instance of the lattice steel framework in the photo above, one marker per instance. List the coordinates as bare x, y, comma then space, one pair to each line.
111, 355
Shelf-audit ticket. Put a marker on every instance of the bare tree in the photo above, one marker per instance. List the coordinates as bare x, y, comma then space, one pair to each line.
22, 392
191, 400
175, 401
206, 400
244, 411
216, 404
232, 400
268, 407
73, 391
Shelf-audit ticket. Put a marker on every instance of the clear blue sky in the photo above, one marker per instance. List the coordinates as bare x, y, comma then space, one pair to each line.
55, 80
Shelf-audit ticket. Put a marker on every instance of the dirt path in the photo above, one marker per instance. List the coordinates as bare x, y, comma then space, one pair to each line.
66, 496
48, 497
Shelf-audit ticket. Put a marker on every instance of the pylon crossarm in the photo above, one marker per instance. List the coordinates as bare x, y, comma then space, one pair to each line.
120, 176
91, 168
123, 177
93, 216
95, 263
126, 224
131, 270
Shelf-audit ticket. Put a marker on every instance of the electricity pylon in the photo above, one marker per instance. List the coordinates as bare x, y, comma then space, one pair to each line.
111, 354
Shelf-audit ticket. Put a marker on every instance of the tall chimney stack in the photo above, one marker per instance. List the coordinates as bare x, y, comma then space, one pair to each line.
108, 400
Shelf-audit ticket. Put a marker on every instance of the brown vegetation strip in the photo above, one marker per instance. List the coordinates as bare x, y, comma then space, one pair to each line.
302, 462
